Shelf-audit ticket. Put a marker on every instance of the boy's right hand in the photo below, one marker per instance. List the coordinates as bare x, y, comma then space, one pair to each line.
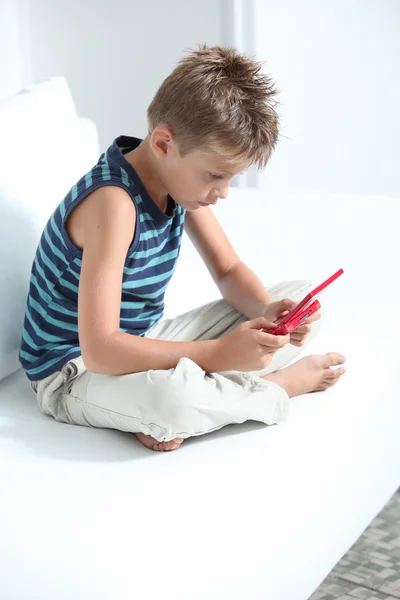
247, 348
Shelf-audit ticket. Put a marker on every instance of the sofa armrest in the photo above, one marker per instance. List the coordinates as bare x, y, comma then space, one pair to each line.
90, 145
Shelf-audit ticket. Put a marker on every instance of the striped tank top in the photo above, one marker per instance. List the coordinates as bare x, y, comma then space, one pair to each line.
50, 331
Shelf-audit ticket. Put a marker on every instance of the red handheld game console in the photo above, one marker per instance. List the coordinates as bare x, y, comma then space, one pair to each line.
303, 310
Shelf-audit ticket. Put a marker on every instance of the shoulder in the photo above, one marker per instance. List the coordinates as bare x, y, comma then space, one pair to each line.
107, 209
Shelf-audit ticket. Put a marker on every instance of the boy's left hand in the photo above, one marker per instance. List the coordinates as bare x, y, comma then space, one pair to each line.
277, 310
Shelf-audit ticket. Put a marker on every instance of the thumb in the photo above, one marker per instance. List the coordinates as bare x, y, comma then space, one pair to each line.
285, 304
260, 323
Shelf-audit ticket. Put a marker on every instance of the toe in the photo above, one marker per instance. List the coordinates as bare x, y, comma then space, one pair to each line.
157, 446
334, 358
329, 382
336, 373
166, 446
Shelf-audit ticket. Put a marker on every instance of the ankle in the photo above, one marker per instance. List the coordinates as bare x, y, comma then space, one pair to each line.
280, 378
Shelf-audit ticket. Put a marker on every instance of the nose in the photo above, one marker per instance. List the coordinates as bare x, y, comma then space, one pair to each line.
222, 191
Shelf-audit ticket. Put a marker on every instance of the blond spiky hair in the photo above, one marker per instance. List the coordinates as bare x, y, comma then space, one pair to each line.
218, 100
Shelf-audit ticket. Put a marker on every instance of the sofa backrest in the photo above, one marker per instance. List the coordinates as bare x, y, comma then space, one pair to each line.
43, 152
40, 131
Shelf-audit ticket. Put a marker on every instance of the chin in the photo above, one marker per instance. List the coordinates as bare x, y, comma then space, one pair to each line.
190, 206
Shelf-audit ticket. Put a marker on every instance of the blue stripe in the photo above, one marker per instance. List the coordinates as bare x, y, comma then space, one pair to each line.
62, 309
88, 180
124, 177
69, 285
138, 283
142, 254
41, 292
132, 305
158, 260
62, 324
75, 273
151, 251
34, 292
49, 264
54, 248
43, 334
28, 356
28, 340
41, 272
40, 346
143, 328
49, 363
57, 295
157, 293
74, 192
39, 309
105, 170
141, 317
50, 332
57, 231
145, 235
145, 217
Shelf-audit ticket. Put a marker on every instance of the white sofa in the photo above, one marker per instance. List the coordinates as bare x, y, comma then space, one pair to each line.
249, 511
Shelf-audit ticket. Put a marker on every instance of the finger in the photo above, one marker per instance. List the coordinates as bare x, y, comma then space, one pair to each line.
287, 304
298, 333
297, 338
297, 343
314, 317
260, 323
303, 329
273, 341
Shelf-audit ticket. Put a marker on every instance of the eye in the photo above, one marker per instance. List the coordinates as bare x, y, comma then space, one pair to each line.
215, 176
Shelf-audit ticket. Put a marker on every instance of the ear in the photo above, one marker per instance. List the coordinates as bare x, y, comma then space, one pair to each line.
162, 141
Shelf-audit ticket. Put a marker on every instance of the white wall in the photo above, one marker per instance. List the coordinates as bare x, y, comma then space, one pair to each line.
337, 66
10, 64
115, 53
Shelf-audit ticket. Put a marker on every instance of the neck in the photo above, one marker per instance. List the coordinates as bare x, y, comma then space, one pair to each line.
143, 161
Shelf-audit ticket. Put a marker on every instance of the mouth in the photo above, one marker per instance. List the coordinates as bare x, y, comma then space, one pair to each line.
208, 203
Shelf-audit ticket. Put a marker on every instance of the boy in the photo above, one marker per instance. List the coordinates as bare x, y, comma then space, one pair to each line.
94, 345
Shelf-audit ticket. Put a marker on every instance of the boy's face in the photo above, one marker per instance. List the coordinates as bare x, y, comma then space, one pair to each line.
197, 179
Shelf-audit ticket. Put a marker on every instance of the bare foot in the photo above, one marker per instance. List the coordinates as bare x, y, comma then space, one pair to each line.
310, 374
154, 444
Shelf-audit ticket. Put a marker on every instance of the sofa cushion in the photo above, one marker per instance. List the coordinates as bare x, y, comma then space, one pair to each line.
249, 511
41, 157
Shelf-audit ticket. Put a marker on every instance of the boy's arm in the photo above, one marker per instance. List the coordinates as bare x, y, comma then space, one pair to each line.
245, 291
107, 228
239, 285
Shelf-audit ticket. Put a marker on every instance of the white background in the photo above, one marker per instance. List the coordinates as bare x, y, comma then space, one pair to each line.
10, 63
335, 63
337, 66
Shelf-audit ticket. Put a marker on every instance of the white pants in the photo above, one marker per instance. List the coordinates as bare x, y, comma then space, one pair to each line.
183, 401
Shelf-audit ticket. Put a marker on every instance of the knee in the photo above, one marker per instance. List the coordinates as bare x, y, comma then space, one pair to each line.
295, 289
172, 393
